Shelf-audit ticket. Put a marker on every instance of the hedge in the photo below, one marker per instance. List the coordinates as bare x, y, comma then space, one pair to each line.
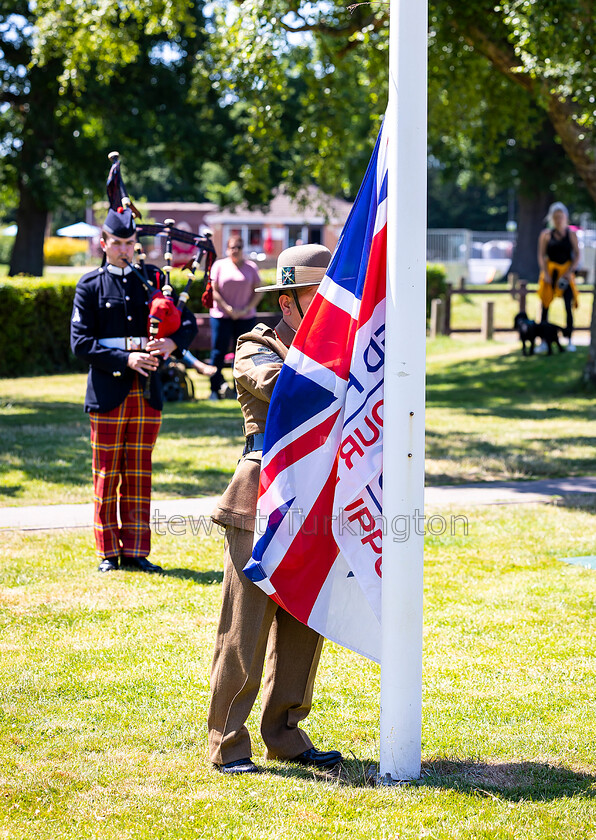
35, 335
6, 243
62, 250
436, 283
57, 250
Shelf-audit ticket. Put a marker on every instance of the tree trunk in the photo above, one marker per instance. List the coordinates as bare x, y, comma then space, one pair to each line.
27, 252
530, 221
36, 169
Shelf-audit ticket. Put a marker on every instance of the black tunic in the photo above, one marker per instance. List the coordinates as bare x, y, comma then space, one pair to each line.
111, 306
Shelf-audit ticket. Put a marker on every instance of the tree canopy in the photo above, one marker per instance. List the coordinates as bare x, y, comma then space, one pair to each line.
80, 79
543, 54
288, 91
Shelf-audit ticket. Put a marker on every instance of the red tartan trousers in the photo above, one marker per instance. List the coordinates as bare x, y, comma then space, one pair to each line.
122, 441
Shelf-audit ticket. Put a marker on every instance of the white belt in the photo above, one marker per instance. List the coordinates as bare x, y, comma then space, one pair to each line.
128, 343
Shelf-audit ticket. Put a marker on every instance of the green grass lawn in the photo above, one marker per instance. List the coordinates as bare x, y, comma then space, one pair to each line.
466, 310
491, 414
104, 693
104, 679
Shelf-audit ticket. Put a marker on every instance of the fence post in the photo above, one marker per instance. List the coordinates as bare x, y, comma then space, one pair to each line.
513, 278
523, 290
447, 312
488, 311
436, 313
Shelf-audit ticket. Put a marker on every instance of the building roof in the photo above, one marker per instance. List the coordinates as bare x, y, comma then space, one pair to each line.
311, 206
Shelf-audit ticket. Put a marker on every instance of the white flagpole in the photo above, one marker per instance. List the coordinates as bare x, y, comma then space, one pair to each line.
405, 355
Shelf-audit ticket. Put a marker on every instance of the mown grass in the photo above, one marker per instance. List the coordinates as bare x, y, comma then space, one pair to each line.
491, 414
466, 310
45, 454
104, 692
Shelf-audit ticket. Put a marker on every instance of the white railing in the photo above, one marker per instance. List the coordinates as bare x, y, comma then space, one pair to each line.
458, 245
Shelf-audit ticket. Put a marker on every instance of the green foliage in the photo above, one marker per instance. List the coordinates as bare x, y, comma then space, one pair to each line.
138, 82
218, 187
61, 250
296, 99
71, 33
6, 243
311, 84
35, 338
500, 74
436, 283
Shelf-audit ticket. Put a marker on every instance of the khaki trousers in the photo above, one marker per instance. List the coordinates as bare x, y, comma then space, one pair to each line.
253, 628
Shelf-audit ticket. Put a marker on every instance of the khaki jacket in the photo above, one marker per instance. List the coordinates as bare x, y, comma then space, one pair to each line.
259, 356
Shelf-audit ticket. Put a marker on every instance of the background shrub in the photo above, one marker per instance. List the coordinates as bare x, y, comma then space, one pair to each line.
36, 333
35, 337
61, 250
436, 283
6, 243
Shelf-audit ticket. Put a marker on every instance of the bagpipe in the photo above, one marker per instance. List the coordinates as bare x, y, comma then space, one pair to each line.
164, 313
165, 316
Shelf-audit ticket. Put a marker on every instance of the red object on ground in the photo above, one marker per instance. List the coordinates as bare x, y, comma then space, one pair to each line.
164, 310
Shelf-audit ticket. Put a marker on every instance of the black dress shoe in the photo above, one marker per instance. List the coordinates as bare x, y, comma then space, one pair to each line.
108, 564
141, 564
319, 759
242, 765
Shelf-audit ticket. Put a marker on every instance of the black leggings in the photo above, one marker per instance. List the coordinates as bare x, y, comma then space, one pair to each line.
568, 301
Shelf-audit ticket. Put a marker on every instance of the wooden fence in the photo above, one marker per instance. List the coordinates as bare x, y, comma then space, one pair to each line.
441, 308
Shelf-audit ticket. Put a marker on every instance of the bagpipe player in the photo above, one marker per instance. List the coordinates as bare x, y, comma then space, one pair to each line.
109, 331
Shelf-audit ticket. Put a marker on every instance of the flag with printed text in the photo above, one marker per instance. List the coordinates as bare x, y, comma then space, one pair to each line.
318, 539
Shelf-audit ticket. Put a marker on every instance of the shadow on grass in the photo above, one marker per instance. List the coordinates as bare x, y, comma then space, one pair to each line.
10, 490
539, 459
199, 482
578, 501
502, 386
49, 440
202, 578
513, 780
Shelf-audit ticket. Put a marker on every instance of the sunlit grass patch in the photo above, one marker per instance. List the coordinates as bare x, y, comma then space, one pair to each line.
104, 687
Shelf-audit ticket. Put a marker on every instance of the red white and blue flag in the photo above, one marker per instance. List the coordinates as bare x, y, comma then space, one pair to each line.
318, 539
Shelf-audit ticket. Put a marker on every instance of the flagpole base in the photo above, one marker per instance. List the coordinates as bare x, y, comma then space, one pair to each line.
387, 780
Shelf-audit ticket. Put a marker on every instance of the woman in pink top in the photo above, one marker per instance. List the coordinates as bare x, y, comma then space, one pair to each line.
234, 281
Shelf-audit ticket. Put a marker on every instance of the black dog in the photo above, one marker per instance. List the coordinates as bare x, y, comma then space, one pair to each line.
529, 331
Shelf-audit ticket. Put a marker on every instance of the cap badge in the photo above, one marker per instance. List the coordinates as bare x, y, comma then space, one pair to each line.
288, 275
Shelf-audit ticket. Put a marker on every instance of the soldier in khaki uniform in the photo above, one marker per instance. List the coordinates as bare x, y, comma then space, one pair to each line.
253, 629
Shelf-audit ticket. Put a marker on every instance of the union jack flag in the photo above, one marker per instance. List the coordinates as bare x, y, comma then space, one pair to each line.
317, 548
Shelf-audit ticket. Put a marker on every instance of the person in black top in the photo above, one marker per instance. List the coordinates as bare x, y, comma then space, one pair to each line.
558, 256
109, 331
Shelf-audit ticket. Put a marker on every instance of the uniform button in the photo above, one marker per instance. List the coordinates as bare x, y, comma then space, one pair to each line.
116, 373
127, 297
129, 317
108, 304
124, 279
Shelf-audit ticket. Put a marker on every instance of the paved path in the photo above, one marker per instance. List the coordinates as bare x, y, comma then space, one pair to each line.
46, 517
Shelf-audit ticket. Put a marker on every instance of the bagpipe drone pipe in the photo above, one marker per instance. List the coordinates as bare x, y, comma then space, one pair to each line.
164, 313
